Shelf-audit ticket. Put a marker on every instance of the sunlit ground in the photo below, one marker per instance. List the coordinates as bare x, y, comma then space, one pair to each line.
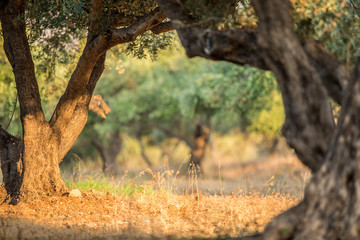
230, 198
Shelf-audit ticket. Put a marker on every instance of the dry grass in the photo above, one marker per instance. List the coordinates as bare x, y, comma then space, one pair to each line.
159, 214
235, 197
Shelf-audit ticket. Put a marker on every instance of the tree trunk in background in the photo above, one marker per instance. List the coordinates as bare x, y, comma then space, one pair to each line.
142, 150
197, 147
201, 139
109, 154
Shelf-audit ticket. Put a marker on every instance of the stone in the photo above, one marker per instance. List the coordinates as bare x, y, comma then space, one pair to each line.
75, 193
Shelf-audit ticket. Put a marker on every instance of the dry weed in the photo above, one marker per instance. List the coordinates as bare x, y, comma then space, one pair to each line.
159, 214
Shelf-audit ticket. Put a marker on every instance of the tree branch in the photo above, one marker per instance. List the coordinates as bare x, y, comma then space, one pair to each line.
95, 47
17, 49
71, 130
95, 17
175, 135
334, 75
162, 27
144, 24
241, 46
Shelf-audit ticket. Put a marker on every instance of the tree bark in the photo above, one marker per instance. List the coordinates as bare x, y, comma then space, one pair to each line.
32, 161
330, 209
11, 162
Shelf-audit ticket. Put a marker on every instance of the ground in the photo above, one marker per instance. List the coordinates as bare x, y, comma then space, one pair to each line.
164, 206
161, 215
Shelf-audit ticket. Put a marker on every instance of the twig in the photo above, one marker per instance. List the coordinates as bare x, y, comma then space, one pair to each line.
355, 7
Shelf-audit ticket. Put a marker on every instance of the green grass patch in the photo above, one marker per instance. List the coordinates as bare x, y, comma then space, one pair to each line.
122, 189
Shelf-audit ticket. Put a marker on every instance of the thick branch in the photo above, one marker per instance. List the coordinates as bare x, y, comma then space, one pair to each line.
89, 65
144, 24
95, 47
162, 27
177, 12
298, 68
334, 75
17, 49
241, 47
79, 80
71, 130
95, 17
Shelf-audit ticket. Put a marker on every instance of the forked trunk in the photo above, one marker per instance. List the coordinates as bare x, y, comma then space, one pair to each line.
31, 164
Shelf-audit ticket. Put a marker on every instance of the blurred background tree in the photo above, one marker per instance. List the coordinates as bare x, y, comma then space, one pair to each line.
175, 97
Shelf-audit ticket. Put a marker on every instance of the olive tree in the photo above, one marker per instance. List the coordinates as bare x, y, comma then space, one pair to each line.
30, 163
310, 70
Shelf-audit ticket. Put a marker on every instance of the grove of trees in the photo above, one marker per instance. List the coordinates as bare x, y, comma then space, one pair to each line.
173, 97
310, 46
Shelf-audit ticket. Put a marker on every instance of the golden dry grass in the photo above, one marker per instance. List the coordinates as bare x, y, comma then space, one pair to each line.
158, 214
233, 198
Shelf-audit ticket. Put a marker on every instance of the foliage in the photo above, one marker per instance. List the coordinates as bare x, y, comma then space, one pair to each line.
8, 95
57, 40
176, 93
270, 121
333, 22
